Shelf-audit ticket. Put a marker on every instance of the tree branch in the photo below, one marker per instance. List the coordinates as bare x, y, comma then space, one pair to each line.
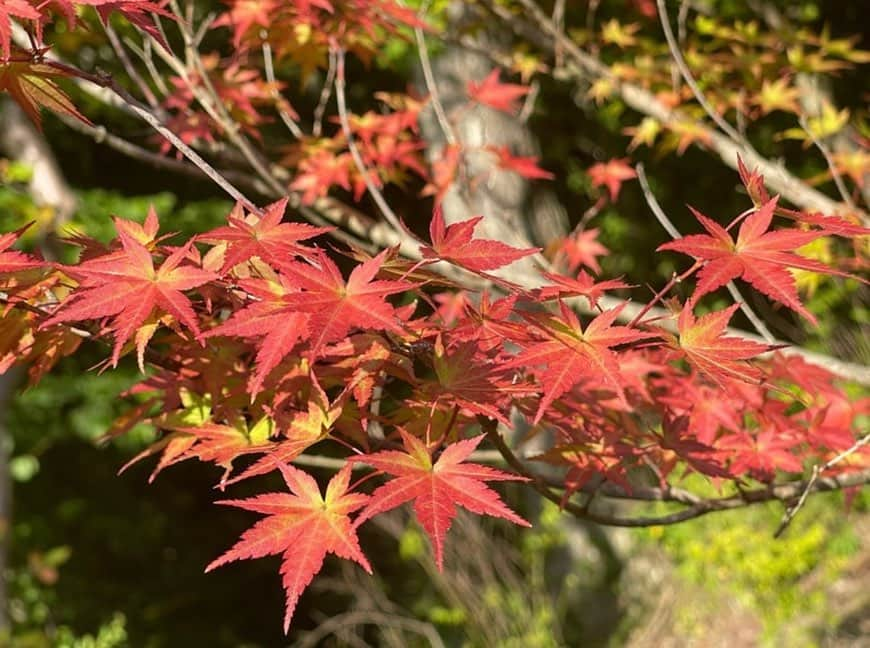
686, 73
373, 190
694, 506
790, 512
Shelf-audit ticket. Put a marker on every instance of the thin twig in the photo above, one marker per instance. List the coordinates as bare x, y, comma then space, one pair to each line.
429, 79
682, 16
203, 28
529, 103
369, 617
826, 153
146, 55
558, 18
375, 193
323, 99
792, 511
686, 73
591, 10
131, 70
291, 125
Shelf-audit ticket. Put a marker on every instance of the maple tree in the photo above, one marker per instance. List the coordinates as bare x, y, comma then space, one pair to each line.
263, 339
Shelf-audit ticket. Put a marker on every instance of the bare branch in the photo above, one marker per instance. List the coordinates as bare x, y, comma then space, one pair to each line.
826, 153
370, 617
323, 100
131, 70
136, 152
291, 125
376, 194
145, 53
686, 73
529, 103
429, 79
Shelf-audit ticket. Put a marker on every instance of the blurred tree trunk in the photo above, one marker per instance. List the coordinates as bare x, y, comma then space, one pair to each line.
516, 210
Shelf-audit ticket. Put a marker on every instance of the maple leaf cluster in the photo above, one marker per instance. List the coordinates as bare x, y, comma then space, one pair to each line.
388, 144
245, 96
257, 347
302, 29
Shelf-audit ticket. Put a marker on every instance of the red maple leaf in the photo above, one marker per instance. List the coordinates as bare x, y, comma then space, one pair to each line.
245, 14
337, 307
320, 171
125, 285
584, 285
611, 174
495, 94
707, 408
646, 7
8, 9
569, 354
274, 318
837, 225
526, 166
443, 172
754, 183
209, 442
437, 487
468, 379
300, 430
303, 527
141, 13
146, 233
32, 86
679, 443
759, 257
761, 454
264, 236
582, 248
488, 324
714, 354
13, 260
454, 243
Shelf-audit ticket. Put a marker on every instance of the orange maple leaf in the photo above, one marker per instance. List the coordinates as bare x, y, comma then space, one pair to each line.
125, 286
437, 487
303, 526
